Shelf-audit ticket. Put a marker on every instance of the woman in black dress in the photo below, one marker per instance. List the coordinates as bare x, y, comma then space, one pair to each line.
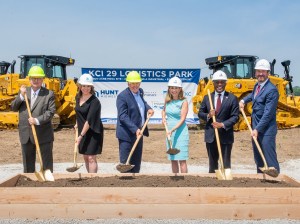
88, 122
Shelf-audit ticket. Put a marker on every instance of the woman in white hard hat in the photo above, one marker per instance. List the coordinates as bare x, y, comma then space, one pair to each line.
174, 115
88, 122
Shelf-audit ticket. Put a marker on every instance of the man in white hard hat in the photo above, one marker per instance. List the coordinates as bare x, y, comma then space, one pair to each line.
264, 98
227, 114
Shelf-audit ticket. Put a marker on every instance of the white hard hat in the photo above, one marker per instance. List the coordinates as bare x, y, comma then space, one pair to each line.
262, 64
86, 79
219, 75
175, 81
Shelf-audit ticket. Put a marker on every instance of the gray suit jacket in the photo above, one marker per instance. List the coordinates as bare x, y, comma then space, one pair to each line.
43, 109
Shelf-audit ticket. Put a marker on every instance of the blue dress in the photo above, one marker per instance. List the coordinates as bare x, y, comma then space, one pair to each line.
180, 137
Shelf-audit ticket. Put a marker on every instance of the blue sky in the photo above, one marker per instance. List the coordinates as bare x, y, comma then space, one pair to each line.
152, 33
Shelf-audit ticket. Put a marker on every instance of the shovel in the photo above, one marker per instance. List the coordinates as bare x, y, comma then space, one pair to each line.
271, 171
126, 167
75, 166
171, 150
222, 174
42, 175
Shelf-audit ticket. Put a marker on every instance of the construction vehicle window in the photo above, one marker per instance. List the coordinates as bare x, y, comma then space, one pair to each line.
32, 62
242, 69
57, 71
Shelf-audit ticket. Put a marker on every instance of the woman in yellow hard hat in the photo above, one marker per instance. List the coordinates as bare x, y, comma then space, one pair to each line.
133, 111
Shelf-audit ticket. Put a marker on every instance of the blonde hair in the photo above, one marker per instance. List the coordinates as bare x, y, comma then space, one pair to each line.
169, 97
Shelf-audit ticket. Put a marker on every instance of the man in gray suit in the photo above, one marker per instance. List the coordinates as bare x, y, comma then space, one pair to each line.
42, 105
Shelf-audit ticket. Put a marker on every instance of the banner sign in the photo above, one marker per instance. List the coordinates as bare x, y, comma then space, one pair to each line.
110, 82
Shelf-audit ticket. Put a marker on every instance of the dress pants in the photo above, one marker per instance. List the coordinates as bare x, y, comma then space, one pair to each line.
136, 158
213, 155
268, 146
29, 156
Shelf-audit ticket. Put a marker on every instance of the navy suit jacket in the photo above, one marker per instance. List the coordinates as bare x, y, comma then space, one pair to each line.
228, 115
263, 117
129, 116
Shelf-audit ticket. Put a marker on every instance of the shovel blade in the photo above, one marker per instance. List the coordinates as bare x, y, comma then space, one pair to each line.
74, 168
123, 168
228, 175
40, 176
271, 171
173, 151
220, 175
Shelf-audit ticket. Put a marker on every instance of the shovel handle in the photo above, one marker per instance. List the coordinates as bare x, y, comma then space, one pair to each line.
76, 145
137, 140
168, 136
34, 134
255, 139
216, 132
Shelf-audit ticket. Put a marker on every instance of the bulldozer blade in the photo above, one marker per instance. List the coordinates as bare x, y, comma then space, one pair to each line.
173, 151
123, 168
271, 171
74, 168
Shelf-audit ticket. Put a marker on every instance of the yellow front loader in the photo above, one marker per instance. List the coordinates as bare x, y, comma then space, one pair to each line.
56, 80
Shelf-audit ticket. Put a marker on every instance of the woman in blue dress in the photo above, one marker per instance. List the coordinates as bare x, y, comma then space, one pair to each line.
174, 115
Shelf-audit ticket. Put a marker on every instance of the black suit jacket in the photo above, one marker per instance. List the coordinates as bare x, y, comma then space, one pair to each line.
228, 115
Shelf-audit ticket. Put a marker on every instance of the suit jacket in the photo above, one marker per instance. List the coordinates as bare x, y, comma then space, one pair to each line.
129, 116
43, 109
263, 117
228, 115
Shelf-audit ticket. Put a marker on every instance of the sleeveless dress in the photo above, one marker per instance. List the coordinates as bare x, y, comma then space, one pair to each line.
180, 137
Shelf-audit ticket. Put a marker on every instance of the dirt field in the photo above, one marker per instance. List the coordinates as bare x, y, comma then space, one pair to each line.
288, 142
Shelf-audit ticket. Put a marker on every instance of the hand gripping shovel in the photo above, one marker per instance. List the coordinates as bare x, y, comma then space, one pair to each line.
126, 167
271, 171
42, 175
222, 174
75, 166
171, 150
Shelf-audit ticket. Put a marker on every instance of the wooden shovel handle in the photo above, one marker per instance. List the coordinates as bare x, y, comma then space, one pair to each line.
168, 136
76, 145
216, 131
137, 140
254, 138
34, 134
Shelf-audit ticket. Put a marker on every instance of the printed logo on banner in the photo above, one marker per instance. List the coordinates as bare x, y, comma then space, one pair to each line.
107, 93
157, 105
150, 93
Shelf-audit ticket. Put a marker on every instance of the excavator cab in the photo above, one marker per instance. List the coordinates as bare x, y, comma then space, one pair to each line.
234, 66
54, 66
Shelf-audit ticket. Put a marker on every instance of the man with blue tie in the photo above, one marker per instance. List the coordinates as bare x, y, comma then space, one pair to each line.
264, 98
132, 114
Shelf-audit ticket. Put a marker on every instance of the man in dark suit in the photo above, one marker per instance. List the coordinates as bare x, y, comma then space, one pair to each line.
132, 113
227, 114
264, 98
42, 103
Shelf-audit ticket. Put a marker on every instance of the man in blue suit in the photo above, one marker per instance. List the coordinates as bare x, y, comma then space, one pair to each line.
227, 114
264, 98
132, 114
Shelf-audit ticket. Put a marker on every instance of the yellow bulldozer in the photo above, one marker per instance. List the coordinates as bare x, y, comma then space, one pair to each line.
56, 80
241, 81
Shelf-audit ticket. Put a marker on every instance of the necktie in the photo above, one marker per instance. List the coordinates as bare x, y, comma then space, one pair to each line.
257, 90
218, 107
33, 98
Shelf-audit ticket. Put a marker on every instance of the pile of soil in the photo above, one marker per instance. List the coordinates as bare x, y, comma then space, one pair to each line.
154, 181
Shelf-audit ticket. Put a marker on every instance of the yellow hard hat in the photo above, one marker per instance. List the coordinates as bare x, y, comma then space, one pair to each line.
36, 71
133, 76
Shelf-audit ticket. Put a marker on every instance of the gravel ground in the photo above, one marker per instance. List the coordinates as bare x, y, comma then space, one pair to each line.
290, 168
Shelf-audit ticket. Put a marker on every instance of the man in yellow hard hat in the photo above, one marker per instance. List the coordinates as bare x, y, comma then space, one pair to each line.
42, 106
133, 111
